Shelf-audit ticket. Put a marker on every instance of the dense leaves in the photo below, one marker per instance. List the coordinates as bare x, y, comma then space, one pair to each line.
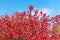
25, 26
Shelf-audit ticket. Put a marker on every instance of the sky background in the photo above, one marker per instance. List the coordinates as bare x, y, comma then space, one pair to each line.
51, 7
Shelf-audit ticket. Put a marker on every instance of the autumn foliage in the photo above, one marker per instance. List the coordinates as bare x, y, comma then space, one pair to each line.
25, 26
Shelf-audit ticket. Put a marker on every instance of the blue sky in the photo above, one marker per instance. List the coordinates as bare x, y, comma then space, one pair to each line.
10, 6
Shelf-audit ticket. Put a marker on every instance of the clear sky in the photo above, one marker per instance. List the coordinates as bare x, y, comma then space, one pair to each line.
10, 6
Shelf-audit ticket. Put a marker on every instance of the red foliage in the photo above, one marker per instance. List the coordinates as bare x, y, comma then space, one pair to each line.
24, 26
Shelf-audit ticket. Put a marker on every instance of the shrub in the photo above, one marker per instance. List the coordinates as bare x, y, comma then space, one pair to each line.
25, 26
